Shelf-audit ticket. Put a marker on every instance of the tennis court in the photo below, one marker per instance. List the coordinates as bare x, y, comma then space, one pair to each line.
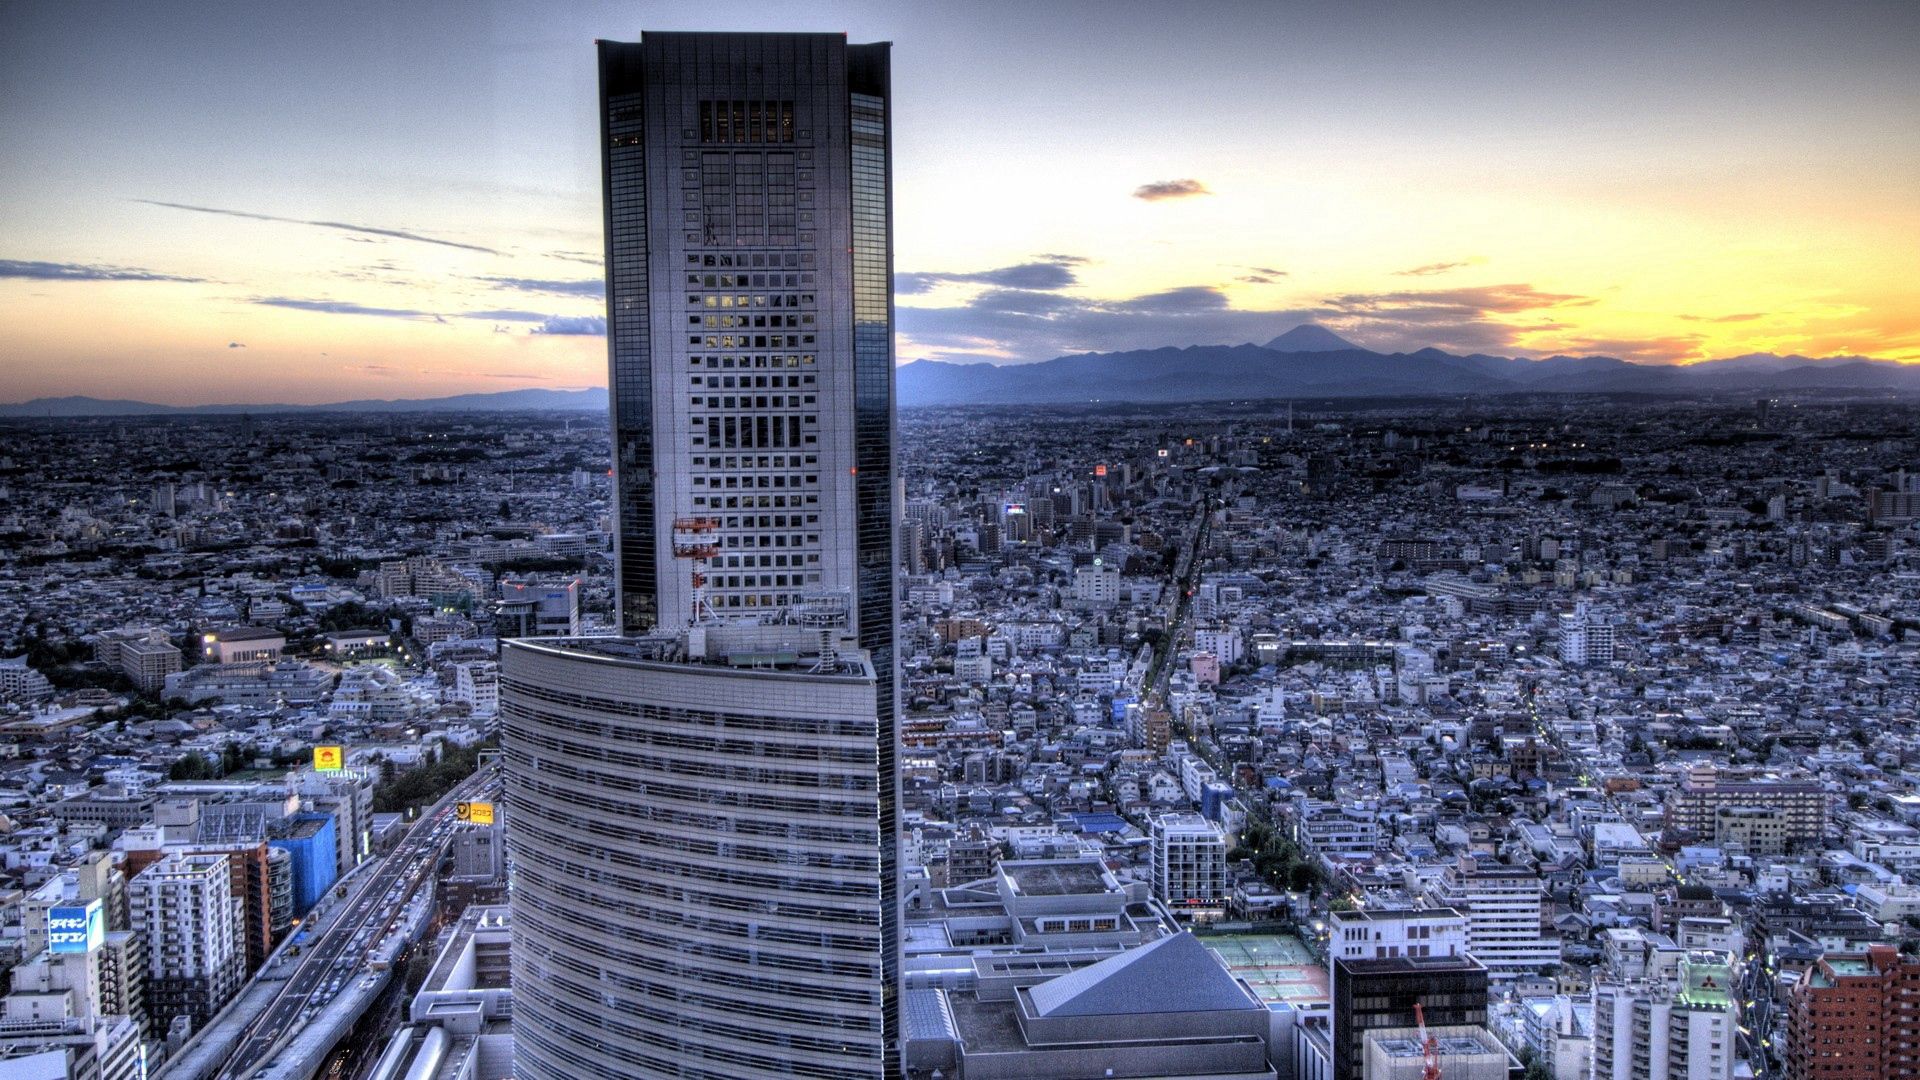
1277, 966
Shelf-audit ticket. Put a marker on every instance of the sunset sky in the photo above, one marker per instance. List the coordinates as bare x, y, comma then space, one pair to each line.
268, 202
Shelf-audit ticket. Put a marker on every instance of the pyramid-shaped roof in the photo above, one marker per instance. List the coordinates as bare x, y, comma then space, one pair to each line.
1172, 975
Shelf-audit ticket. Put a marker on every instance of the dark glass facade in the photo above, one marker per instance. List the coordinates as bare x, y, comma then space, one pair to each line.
873, 432
629, 355
1372, 994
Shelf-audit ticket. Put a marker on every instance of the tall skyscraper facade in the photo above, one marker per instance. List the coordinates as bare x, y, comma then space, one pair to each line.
703, 827
750, 323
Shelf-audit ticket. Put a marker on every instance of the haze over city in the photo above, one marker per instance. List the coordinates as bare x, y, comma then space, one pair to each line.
230, 202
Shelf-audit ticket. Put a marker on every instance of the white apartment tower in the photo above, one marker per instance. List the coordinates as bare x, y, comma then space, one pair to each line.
184, 908
1189, 861
1678, 1025
1503, 906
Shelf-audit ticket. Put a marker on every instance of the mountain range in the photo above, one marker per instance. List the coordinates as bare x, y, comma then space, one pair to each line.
1307, 361
1310, 361
591, 399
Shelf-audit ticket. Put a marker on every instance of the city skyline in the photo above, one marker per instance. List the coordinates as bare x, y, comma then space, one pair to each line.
1635, 182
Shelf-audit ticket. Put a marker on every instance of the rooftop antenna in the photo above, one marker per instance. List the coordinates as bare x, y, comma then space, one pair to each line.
697, 539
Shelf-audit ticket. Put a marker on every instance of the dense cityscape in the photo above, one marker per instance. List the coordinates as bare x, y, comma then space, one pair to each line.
1606, 700
1090, 542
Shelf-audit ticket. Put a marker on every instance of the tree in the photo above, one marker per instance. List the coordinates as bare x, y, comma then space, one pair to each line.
427, 781
194, 766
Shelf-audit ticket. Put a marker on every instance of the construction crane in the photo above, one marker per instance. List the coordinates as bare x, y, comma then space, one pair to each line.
1429, 1046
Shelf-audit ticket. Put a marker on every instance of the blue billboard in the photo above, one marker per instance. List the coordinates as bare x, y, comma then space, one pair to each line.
76, 928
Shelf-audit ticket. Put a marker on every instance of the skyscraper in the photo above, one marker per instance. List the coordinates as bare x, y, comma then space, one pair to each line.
703, 825
749, 317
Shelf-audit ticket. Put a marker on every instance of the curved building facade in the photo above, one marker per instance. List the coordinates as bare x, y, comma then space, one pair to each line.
696, 845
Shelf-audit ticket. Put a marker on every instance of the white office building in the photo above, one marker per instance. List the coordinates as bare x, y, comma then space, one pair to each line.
1503, 905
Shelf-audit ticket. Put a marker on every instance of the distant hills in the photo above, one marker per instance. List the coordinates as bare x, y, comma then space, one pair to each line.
1310, 361
592, 399
1307, 361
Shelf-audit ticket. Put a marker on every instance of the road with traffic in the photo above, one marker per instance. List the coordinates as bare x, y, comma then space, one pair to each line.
342, 952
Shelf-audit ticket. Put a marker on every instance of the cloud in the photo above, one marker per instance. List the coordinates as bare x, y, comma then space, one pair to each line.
1660, 350
1747, 316
342, 226
52, 271
577, 257
1262, 275
1018, 324
1045, 272
235, 345
1170, 189
573, 324
507, 315
1469, 319
342, 307
1025, 324
1432, 268
1439, 305
594, 287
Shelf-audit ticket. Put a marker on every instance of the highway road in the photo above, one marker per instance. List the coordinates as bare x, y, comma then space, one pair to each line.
1181, 585
330, 962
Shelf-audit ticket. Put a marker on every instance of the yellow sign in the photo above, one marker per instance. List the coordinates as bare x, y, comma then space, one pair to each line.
474, 813
329, 759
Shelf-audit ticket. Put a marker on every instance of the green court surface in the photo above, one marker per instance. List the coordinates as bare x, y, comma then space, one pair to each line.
1277, 966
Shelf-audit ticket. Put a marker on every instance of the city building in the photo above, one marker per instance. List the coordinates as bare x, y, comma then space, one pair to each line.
1189, 862
309, 839
1371, 933
696, 839
1503, 905
1461, 1052
241, 644
460, 1023
1585, 638
1852, 1017
533, 609
1379, 995
145, 655
184, 908
476, 683
53, 1025
1795, 810
1164, 1009
18, 682
746, 920
1677, 1024
749, 310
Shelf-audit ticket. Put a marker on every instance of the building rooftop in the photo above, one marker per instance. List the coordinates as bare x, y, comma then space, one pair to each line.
1410, 965
783, 649
1055, 878
1172, 975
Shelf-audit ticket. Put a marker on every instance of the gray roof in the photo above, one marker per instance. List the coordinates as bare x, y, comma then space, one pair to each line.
928, 1017
1172, 975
